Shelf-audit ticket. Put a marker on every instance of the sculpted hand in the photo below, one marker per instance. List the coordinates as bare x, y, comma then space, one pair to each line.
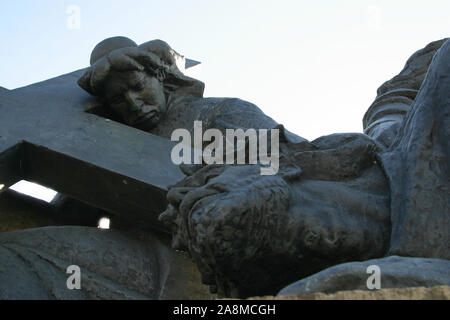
227, 217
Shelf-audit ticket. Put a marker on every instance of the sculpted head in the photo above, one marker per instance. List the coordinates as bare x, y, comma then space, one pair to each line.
137, 82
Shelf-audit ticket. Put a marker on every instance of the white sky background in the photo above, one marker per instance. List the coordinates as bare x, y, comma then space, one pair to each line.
313, 66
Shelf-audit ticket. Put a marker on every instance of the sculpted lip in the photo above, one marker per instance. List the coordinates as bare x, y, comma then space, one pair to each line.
148, 112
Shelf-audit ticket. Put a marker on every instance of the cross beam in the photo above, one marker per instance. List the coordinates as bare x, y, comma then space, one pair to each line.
47, 137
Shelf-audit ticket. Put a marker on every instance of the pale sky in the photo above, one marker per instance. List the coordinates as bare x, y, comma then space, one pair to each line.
313, 66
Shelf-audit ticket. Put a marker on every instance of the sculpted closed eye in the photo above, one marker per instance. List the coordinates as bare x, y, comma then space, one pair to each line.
116, 100
137, 85
118, 104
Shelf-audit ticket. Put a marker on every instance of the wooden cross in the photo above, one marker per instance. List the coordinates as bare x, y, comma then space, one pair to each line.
47, 137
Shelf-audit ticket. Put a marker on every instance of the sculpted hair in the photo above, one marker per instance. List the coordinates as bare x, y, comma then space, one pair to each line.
139, 59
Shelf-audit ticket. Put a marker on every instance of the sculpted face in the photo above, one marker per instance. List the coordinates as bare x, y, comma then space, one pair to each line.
135, 82
137, 97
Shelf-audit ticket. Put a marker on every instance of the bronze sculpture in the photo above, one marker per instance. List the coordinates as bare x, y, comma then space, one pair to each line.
338, 199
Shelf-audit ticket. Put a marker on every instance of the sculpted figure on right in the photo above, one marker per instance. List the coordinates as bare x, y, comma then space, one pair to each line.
340, 198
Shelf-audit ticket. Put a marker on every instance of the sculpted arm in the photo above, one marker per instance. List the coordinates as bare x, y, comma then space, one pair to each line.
253, 234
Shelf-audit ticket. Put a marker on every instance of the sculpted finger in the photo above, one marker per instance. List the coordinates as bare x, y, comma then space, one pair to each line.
190, 169
121, 61
202, 176
146, 58
192, 197
168, 217
176, 195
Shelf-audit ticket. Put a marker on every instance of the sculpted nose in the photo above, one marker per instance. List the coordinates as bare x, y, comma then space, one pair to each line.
133, 103
176, 195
